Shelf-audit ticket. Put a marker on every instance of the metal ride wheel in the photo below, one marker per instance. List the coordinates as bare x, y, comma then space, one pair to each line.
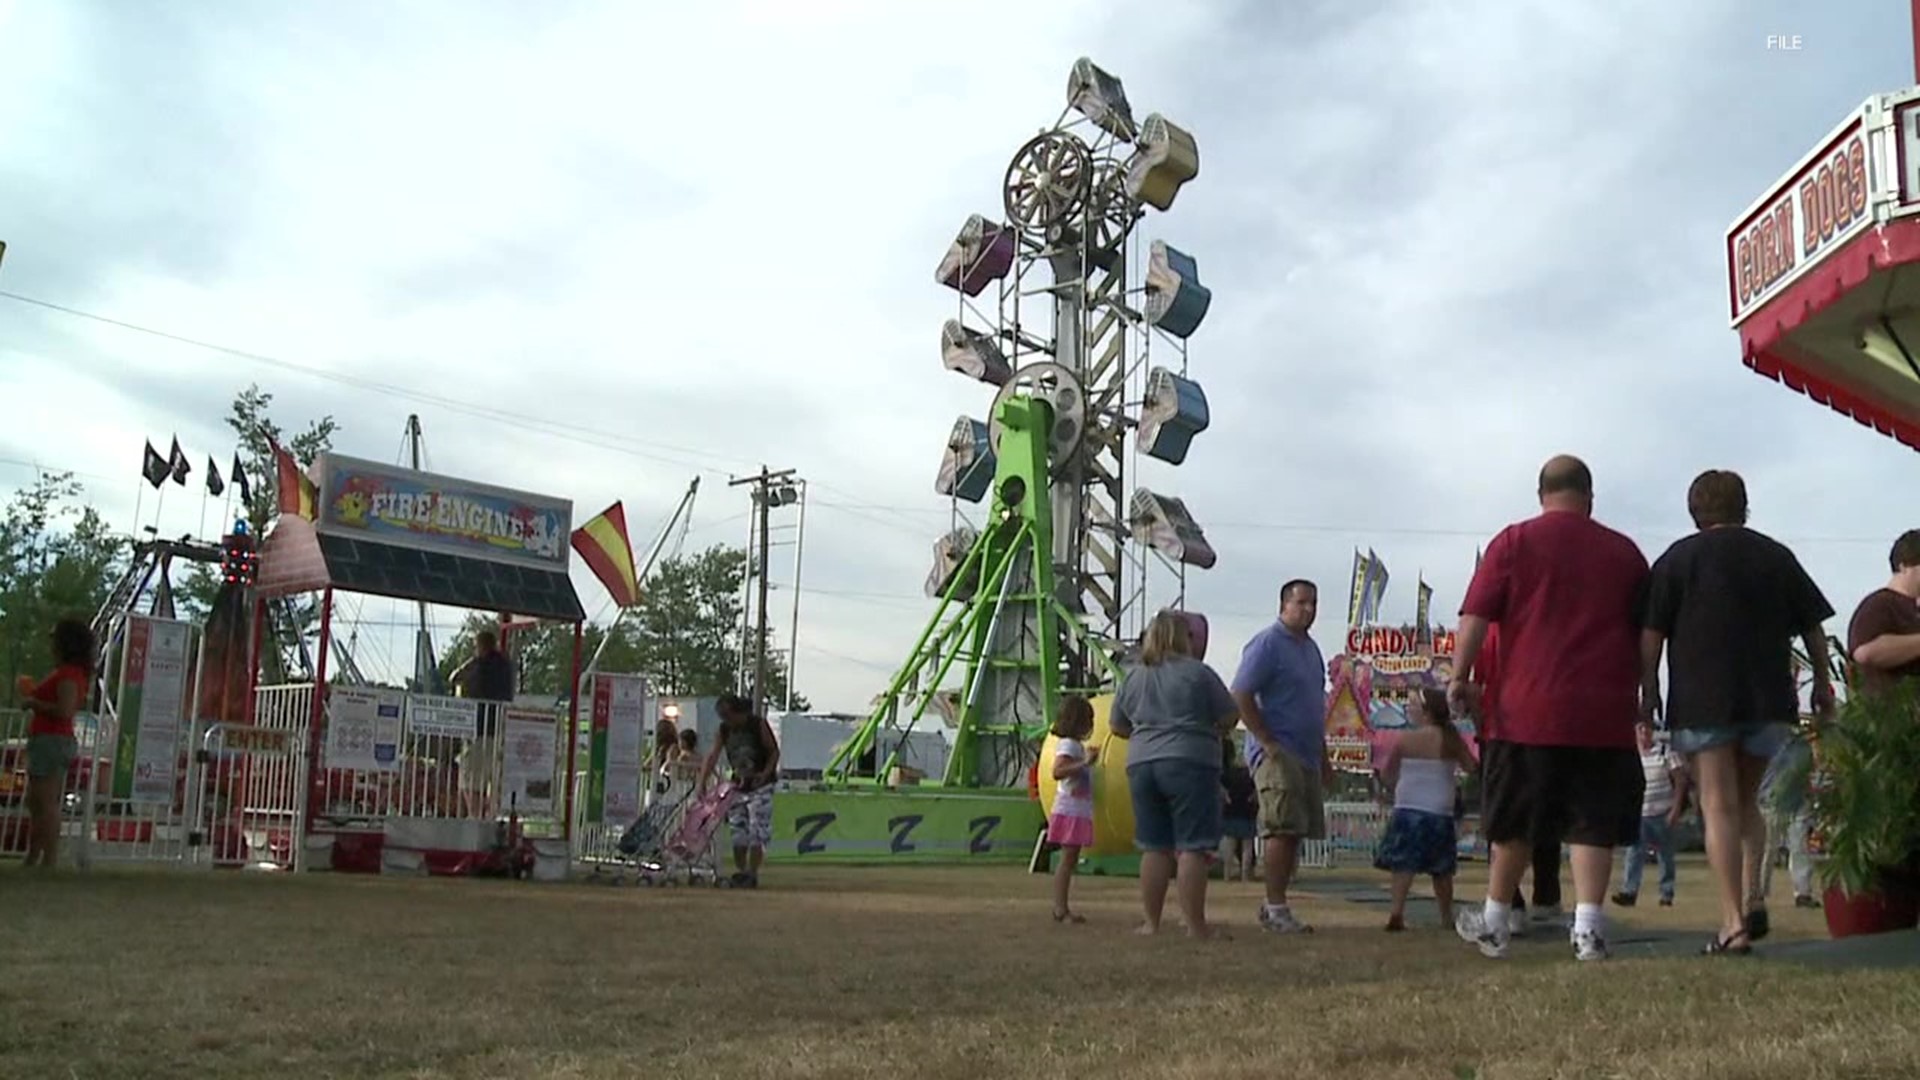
1047, 181
1062, 390
1112, 210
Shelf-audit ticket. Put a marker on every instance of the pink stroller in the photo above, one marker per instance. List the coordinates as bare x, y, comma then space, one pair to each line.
689, 854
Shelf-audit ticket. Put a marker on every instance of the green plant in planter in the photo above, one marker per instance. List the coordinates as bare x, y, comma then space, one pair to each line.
1868, 805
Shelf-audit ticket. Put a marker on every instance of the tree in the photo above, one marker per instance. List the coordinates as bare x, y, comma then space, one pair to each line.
685, 635
690, 627
48, 573
257, 431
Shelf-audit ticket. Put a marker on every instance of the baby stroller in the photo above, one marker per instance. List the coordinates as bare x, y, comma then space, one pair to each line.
687, 854
649, 832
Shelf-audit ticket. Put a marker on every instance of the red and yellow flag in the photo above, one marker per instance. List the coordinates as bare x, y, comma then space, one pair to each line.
603, 543
296, 494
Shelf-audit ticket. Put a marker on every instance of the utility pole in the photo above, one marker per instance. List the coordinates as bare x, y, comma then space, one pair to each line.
765, 496
425, 666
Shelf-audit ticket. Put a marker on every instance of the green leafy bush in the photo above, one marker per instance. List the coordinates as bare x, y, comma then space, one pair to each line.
1868, 802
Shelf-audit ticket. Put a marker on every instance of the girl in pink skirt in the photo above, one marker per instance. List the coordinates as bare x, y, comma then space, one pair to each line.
1070, 826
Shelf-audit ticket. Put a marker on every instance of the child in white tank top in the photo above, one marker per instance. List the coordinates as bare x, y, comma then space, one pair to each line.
1422, 836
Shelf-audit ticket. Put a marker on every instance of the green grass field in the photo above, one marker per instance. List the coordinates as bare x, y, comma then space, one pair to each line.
929, 972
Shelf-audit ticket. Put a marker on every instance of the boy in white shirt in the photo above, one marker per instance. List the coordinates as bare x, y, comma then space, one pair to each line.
1666, 796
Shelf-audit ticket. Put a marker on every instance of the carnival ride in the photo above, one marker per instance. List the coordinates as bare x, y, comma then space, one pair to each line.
1089, 367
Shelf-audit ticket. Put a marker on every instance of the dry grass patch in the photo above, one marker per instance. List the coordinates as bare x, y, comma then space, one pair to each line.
930, 973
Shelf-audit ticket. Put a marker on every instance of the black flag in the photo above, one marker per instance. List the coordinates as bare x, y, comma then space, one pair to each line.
215, 485
178, 460
154, 468
240, 481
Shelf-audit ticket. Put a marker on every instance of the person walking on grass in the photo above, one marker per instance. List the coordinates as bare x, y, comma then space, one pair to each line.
1725, 604
1545, 856
1565, 591
1240, 812
1281, 692
52, 704
1173, 711
1786, 803
1660, 808
1070, 825
1422, 836
754, 756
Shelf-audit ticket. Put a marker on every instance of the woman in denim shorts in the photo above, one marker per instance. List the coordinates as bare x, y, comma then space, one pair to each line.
1173, 710
52, 703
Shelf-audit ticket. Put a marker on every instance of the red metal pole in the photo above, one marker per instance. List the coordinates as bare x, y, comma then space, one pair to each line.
573, 718
316, 727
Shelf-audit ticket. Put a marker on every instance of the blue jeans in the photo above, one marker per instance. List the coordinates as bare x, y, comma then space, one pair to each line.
1653, 831
1176, 805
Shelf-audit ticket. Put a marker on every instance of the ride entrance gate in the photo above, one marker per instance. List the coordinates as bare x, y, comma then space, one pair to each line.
153, 781
393, 780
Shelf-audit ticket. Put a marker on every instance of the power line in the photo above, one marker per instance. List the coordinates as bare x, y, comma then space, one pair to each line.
588, 436
583, 435
864, 511
869, 512
44, 470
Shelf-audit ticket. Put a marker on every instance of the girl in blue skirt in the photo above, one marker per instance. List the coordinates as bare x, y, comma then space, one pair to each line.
1421, 767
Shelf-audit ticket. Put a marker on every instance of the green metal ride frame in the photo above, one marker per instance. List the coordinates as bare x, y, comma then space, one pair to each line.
1002, 618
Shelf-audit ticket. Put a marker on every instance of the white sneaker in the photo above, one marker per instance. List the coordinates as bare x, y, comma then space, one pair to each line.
1281, 920
1590, 945
1471, 925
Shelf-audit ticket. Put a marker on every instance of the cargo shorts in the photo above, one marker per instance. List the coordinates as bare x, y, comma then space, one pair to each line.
1291, 801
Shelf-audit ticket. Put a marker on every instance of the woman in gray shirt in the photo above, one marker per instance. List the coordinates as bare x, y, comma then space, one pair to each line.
1173, 711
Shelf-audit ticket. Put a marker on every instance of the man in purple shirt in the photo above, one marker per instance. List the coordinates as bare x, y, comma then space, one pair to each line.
1281, 688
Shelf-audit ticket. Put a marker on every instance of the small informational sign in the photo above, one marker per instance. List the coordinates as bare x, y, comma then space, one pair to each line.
613, 758
153, 701
529, 761
256, 741
452, 717
363, 728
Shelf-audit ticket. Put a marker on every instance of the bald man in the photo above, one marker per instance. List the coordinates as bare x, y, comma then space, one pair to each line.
1566, 592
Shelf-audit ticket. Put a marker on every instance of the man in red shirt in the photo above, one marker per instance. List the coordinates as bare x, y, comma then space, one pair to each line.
1566, 592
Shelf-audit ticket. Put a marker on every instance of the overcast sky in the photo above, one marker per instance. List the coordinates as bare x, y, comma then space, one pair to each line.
1445, 240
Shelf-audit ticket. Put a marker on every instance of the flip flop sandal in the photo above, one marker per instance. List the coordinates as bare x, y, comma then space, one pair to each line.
1069, 917
1725, 946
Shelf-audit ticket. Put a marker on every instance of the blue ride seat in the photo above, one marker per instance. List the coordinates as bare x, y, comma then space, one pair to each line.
1175, 411
1176, 301
1099, 96
966, 470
